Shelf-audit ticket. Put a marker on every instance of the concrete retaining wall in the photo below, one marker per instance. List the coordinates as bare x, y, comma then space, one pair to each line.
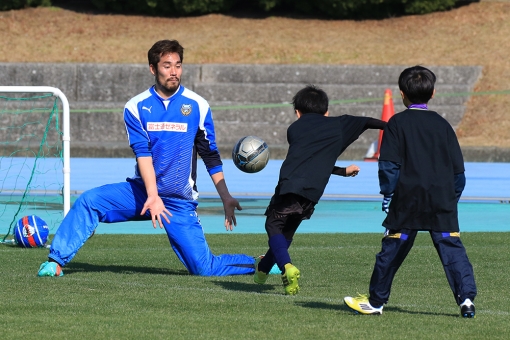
239, 95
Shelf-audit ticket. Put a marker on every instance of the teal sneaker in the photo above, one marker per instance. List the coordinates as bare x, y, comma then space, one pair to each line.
50, 269
275, 270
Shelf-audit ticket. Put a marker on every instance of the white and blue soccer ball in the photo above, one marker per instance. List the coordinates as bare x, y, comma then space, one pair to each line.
250, 154
31, 232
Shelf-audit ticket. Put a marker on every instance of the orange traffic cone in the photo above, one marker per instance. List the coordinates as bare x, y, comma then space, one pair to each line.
387, 112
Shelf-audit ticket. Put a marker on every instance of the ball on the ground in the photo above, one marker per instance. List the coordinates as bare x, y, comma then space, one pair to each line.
250, 154
31, 232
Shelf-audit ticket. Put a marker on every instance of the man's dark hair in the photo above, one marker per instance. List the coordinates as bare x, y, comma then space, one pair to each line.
163, 47
311, 99
417, 83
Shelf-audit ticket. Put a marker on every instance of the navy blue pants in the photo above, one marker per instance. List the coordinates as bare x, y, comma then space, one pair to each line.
396, 244
121, 202
284, 215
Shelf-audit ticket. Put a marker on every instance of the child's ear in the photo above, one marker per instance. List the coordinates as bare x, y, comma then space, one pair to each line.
433, 93
326, 114
405, 101
298, 113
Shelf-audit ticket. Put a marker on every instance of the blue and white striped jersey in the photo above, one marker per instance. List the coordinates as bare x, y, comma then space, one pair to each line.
173, 131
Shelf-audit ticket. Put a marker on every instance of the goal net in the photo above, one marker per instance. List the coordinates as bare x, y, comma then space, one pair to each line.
34, 156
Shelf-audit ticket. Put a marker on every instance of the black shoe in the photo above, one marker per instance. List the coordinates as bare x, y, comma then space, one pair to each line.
467, 309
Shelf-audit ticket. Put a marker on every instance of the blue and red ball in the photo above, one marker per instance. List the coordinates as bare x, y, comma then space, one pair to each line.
31, 232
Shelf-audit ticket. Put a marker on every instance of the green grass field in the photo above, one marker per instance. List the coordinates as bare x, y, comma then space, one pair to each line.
134, 287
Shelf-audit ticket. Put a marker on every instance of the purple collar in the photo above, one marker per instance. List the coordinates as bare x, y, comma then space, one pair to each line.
418, 106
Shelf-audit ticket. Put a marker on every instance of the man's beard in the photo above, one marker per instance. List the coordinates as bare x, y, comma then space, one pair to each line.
169, 86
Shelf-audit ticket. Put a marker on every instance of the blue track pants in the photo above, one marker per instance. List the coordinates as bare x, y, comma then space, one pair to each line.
123, 202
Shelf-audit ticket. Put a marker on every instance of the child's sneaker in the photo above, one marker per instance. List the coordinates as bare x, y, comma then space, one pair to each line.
361, 305
259, 277
290, 279
50, 269
467, 309
275, 270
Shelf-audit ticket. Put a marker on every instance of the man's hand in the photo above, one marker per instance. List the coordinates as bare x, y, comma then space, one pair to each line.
352, 170
157, 209
229, 205
153, 203
386, 203
229, 202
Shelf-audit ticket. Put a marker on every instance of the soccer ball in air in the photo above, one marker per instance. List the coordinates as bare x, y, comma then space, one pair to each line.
250, 154
31, 232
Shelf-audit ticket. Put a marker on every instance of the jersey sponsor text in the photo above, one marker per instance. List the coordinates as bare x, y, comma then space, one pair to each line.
167, 126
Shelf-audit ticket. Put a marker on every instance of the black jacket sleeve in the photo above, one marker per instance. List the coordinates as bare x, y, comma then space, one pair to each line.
460, 183
373, 123
339, 171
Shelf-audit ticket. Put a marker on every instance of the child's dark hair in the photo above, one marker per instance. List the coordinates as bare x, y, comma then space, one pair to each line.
417, 83
311, 99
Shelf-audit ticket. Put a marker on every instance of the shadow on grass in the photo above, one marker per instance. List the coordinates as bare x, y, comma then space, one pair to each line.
78, 267
406, 311
329, 306
322, 305
245, 287
344, 308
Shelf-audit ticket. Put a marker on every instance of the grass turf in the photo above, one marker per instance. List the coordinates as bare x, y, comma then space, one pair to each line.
133, 286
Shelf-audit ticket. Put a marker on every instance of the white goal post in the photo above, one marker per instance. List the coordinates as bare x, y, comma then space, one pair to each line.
66, 169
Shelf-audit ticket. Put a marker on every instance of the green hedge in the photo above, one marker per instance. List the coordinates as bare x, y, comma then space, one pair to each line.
334, 9
360, 9
166, 7
6, 5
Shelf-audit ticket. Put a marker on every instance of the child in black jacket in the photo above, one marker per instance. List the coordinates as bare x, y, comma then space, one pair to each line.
315, 143
421, 175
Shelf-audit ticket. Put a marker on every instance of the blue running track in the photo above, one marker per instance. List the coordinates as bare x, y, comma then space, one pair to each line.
348, 205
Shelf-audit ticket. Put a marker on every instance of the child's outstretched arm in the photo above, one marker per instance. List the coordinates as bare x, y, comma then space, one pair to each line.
350, 171
373, 123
